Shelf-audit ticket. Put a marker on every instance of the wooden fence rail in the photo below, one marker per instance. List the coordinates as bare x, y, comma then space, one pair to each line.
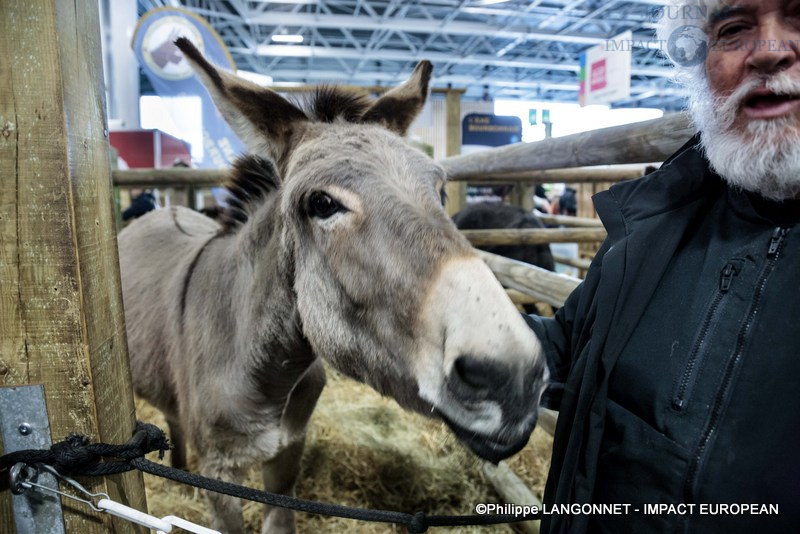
579, 175
533, 236
541, 284
172, 177
571, 221
640, 142
182, 177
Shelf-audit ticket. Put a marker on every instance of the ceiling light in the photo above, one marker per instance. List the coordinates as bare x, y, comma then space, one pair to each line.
281, 38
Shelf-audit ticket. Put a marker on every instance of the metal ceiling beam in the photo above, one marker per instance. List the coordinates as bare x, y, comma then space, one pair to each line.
283, 51
421, 26
485, 48
455, 80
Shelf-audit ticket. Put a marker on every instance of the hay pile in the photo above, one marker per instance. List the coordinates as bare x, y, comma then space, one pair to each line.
363, 450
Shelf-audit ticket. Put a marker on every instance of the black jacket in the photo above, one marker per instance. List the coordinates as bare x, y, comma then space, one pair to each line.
675, 365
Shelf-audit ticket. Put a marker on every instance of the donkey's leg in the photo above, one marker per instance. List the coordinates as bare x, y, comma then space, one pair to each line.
226, 512
280, 472
280, 475
178, 440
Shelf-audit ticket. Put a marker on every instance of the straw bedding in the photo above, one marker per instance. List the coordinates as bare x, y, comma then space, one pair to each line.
363, 450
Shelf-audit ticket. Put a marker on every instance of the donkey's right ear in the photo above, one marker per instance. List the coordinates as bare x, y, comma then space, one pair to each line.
262, 118
398, 108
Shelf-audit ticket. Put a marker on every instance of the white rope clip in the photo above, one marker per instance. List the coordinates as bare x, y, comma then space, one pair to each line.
161, 526
23, 477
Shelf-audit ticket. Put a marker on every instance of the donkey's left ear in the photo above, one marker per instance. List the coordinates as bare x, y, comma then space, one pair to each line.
262, 119
398, 108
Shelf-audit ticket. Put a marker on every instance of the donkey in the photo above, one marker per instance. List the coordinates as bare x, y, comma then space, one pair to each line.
485, 215
336, 247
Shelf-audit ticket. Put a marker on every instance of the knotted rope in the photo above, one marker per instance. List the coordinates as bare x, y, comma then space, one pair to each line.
77, 456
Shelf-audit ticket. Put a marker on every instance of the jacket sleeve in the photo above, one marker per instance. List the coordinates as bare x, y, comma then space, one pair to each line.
565, 336
555, 334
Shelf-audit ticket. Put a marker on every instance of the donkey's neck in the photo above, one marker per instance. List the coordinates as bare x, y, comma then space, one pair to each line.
269, 325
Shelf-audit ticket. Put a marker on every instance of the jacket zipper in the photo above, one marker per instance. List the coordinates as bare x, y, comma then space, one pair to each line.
680, 400
775, 244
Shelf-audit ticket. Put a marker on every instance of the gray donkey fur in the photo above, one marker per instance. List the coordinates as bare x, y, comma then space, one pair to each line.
336, 247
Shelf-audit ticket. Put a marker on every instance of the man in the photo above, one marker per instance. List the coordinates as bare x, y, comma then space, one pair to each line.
676, 364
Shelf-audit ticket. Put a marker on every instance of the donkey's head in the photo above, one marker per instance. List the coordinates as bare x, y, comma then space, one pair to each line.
387, 289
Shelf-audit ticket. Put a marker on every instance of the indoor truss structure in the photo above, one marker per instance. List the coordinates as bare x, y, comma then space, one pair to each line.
494, 49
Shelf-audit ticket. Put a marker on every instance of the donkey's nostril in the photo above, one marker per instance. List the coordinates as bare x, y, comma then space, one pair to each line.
479, 374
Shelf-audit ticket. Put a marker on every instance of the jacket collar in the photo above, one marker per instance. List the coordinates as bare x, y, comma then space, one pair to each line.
685, 178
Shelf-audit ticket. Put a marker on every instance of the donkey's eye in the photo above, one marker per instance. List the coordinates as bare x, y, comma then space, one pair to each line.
323, 206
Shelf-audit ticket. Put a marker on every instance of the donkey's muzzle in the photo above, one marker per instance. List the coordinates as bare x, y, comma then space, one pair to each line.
493, 449
504, 397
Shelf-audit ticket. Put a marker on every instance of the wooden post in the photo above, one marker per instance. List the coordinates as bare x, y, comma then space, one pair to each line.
456, 192
191, 197
522, 195
62, 322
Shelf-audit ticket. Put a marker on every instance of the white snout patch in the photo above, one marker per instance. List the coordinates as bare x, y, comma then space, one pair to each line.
468, 313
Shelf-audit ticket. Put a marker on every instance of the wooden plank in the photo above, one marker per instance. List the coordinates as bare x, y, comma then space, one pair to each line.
520, 298
172, 177
570, 222
605, 173
59, 281
579, 263
547, 420
533, 236
513, 491
641, 142
177, 177
543, 285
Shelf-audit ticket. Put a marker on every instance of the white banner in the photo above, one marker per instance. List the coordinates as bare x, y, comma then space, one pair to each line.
605, 75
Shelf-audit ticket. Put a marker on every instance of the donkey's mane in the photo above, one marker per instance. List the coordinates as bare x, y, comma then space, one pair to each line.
328, 103
250, 181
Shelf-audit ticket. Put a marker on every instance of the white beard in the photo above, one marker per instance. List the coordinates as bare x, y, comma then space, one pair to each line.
764, 157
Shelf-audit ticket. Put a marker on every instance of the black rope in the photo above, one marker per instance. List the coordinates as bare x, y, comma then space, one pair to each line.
76, 456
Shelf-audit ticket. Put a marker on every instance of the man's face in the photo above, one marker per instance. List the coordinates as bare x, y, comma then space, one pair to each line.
749, 111
752, 41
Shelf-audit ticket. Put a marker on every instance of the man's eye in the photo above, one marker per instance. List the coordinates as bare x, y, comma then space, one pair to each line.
730, 30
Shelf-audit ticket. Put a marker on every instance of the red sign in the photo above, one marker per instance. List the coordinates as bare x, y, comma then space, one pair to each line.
598, 78
152, 149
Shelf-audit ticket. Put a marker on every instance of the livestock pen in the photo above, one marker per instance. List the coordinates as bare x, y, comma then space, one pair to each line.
384, 457
62, 311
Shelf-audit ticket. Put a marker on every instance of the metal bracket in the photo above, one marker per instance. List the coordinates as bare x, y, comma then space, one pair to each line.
24, 425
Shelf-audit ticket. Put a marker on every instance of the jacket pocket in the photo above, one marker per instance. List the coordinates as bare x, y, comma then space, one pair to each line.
687, 379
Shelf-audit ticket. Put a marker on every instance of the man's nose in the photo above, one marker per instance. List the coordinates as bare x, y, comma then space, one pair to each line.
777, 48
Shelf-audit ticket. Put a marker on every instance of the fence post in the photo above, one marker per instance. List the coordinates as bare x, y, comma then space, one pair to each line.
62, 322
456, 192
